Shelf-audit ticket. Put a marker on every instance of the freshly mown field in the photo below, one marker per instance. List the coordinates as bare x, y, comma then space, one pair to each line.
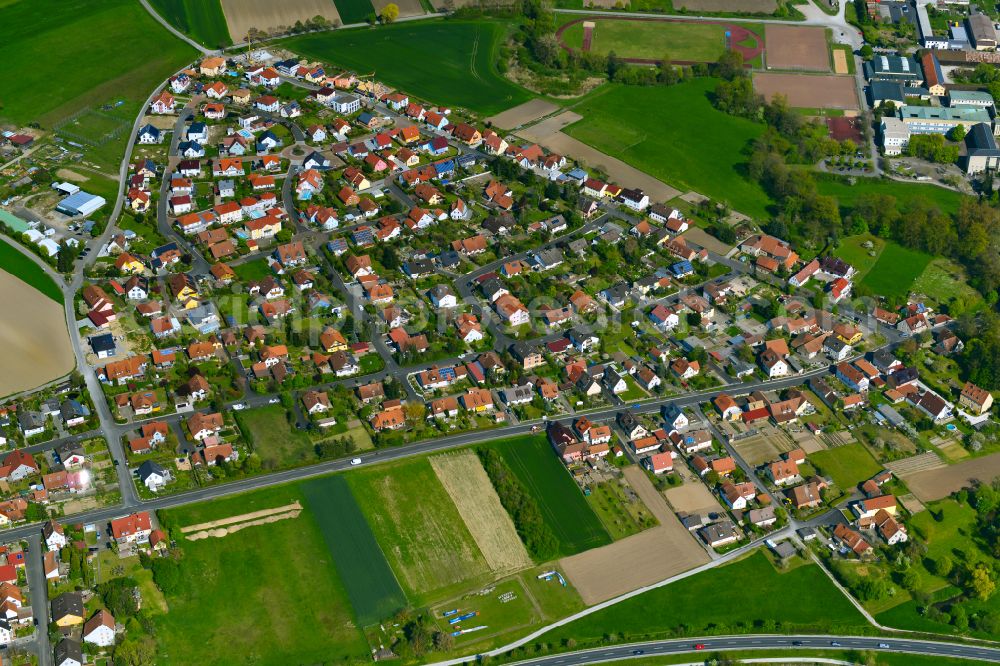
371, 585
852, 251
847, 465
65, 55
26, 270
737, 597
896, 269
675, 134
280, 571
202, 20
699, 42
418, 526
354, 11
274, 439
563, 505
459, 71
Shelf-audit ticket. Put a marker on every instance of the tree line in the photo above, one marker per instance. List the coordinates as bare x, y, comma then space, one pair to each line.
519, 503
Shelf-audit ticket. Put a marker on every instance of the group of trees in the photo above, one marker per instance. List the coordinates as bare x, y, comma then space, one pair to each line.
933, 148
521, 505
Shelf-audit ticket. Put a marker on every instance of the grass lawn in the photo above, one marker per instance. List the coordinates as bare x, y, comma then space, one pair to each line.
65, 34
26, 270
418, 526
371, 585
847, 465
943, 281
732, 598
675, 134
462, 71
563, 505
201, 20
354, 11
281, 569
256, 269
847, 193
699, 42
895, 271
851, 251
275, 440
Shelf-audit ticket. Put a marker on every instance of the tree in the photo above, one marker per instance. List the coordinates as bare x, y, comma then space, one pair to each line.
867, 52
943, 566
730, 65
390, 13
957, 133
981, 581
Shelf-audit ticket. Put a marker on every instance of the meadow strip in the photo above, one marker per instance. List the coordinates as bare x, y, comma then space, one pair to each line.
371, 586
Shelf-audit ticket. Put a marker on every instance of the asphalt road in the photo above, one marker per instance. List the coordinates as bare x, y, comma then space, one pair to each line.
811, 643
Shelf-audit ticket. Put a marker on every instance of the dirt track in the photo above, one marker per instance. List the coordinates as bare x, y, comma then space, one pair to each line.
241, 15
244, 517
33, 336
797, 47
523, 114
807, 91
548, 134
934, 484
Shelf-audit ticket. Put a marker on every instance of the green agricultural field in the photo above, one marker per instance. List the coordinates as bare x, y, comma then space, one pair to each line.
735, 598
23, 268
280, 571
698, 42
675, 134
563, 505
202, 20
847, 465
462, 71
895, 271
274, 439
354, 11
418, 527
81, 54
371, 585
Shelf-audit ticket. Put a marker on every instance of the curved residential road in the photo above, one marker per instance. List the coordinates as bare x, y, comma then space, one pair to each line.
176, 33
767, 642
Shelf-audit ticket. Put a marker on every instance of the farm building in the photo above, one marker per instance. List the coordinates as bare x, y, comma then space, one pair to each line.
81, 203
